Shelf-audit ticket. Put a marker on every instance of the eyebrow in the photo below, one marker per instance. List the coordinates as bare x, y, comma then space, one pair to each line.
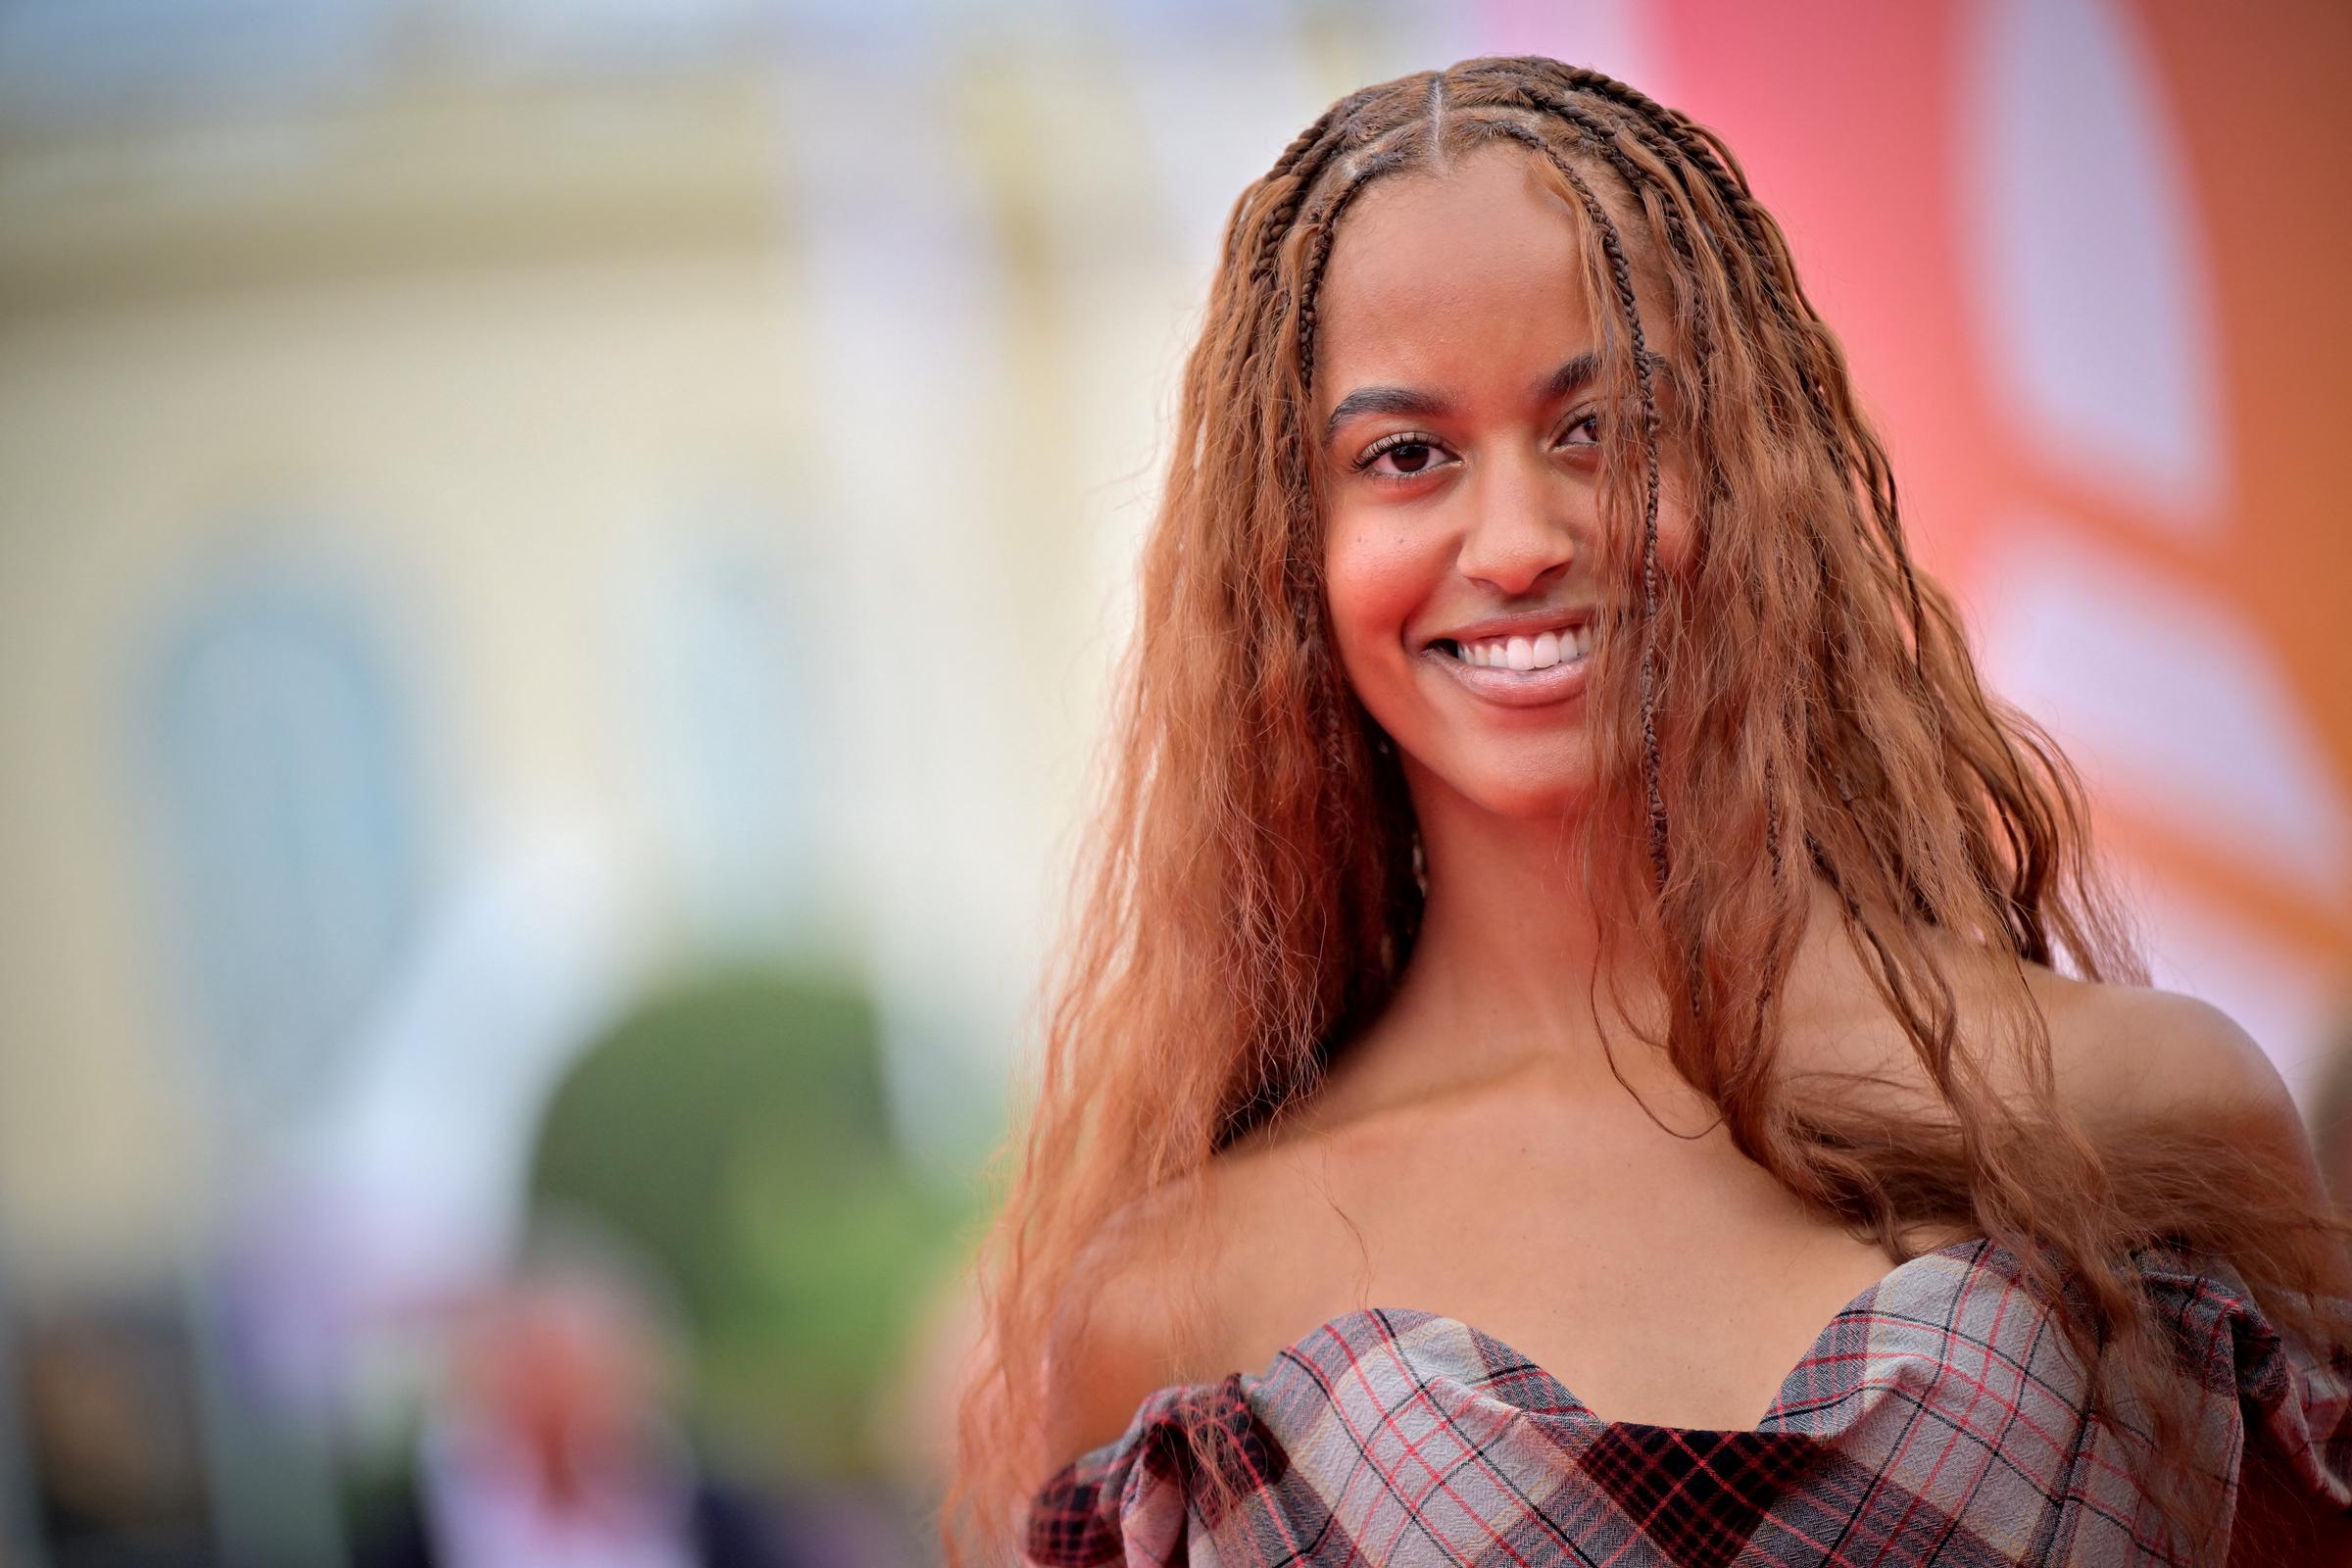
1571, 377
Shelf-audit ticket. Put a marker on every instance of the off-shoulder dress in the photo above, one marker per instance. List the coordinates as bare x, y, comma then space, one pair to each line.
1940, 1417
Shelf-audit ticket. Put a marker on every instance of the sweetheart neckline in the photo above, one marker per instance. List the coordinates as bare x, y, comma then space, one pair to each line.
1566, 1405
1569, 1405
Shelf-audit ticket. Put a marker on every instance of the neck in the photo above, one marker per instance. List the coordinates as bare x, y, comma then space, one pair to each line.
1510, 936
1505, 988
1507, 971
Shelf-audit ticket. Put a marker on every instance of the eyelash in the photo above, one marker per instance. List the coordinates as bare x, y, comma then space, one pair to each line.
1415, 438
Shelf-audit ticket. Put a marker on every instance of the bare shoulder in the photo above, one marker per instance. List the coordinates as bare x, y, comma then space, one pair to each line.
1119, 1335
2132, 1058
1145, 1314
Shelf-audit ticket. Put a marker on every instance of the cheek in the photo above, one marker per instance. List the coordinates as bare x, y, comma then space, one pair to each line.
1376, 576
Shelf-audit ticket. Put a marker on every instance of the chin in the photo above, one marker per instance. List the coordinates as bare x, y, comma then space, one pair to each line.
1520, 789
1532, 800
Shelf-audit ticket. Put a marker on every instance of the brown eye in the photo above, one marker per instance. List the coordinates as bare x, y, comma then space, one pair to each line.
1401, 456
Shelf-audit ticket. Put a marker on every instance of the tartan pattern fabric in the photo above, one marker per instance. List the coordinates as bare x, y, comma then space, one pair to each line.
1939, 1418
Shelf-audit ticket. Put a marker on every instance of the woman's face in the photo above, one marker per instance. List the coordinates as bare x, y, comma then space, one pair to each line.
1457, 401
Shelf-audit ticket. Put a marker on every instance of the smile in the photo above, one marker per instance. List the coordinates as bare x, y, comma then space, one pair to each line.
1519, 671
1569, 645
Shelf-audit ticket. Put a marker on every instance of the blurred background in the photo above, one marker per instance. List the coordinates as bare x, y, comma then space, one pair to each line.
559, 562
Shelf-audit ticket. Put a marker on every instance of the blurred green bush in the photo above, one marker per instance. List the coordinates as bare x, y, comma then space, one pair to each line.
733, 1127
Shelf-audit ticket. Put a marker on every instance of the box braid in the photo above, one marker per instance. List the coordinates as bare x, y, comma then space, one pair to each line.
1693, 178
1683, 143
1601, 137
1827, 388
1622, 275
1649, 128
1763, 264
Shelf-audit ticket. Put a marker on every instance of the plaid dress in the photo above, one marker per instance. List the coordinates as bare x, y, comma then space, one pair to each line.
1939, 1418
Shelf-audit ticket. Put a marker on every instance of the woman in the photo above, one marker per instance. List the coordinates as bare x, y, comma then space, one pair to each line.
1591, 1037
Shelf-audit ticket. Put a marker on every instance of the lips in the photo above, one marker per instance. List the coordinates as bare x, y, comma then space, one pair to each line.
1503, 685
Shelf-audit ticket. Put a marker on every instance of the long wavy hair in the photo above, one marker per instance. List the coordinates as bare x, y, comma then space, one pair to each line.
1796, 702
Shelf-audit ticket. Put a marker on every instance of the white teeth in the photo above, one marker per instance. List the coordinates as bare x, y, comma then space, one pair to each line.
1541, 651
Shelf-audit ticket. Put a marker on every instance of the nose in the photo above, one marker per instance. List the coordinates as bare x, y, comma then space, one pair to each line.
1518, 532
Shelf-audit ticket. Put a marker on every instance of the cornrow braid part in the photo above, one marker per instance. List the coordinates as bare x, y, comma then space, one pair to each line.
1301, 165
1698, 146
1370, 167
1302, 160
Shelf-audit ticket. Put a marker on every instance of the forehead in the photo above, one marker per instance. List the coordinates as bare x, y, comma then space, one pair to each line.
1466, 273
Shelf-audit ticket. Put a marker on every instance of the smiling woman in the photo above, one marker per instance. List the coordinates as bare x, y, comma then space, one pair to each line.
1575, 960
1461, 477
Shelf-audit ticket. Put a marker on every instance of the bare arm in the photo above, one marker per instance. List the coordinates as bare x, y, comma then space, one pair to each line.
2184, 1063
1113, 1344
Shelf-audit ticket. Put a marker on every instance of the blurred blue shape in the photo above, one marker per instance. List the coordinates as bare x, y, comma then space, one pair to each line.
282, 763
85, 59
